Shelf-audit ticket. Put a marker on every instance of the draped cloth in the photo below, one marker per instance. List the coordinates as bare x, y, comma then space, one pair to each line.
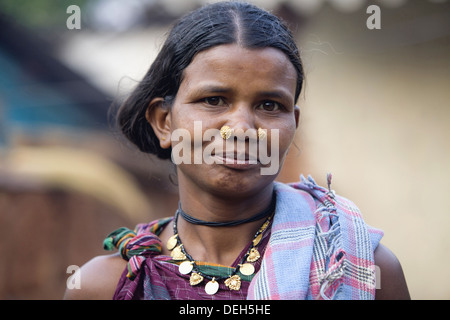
319, 248
151, 275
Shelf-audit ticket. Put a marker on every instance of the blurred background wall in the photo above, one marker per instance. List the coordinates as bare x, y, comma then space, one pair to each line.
375, 112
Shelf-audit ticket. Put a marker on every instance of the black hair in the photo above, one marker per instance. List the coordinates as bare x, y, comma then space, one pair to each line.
207, 27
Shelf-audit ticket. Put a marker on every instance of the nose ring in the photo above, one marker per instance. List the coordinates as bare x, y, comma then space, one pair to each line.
262, 134
225, 132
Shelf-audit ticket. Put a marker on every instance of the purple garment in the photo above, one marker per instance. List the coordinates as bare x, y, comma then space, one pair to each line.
159, 279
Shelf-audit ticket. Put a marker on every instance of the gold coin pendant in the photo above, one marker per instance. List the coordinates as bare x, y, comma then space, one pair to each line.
257, 240
185, 267
247, 269
172, 242
212, 287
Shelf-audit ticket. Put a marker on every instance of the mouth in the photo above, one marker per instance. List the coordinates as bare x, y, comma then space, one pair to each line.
239, 161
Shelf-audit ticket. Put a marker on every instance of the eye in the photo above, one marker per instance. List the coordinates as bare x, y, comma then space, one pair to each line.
270, 106
214, 101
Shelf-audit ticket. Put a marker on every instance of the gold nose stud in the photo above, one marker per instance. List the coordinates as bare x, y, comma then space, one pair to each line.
226, 132
262, 134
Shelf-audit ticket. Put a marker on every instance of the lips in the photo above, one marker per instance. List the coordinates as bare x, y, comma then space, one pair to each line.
240, 161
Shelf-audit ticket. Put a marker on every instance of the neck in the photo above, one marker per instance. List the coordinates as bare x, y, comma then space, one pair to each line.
220, 244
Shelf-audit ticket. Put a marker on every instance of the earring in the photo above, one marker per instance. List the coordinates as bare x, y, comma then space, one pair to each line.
226, 132
262, 134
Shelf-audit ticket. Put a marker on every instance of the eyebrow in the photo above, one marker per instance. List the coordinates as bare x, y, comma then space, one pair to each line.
274, 94
218, 89
212, 89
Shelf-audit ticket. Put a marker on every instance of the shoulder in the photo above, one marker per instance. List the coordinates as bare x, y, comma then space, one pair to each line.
392, 283
97, 278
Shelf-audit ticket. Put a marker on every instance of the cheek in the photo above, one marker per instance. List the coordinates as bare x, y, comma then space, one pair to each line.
283, 137
178, 119
185, 116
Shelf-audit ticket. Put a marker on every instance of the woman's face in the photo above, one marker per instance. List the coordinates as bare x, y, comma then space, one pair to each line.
244, 89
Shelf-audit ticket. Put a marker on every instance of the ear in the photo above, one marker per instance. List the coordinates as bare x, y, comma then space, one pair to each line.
296, 115
158, 116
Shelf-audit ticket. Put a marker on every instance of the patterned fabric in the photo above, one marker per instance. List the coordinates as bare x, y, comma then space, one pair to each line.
320, 248
153, 276
135, 245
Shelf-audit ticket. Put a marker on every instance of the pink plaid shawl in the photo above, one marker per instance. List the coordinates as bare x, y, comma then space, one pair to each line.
320, 248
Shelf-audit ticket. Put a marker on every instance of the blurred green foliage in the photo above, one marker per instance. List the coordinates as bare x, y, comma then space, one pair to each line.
42, 14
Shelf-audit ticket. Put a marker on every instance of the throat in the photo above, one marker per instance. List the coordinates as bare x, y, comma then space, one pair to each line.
258, 216
219, 245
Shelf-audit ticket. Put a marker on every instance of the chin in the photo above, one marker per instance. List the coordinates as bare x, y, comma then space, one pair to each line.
240, 185
223, 181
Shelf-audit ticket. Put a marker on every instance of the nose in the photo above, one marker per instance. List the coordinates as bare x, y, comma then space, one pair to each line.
241, 120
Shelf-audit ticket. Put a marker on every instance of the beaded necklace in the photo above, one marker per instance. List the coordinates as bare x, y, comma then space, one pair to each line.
189, 266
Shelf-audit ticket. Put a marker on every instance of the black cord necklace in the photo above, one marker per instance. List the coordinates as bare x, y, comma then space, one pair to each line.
256, 217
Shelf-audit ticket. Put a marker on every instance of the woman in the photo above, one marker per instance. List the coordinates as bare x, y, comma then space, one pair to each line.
220, 101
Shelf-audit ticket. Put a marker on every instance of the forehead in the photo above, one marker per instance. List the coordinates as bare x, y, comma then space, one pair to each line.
236, 65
